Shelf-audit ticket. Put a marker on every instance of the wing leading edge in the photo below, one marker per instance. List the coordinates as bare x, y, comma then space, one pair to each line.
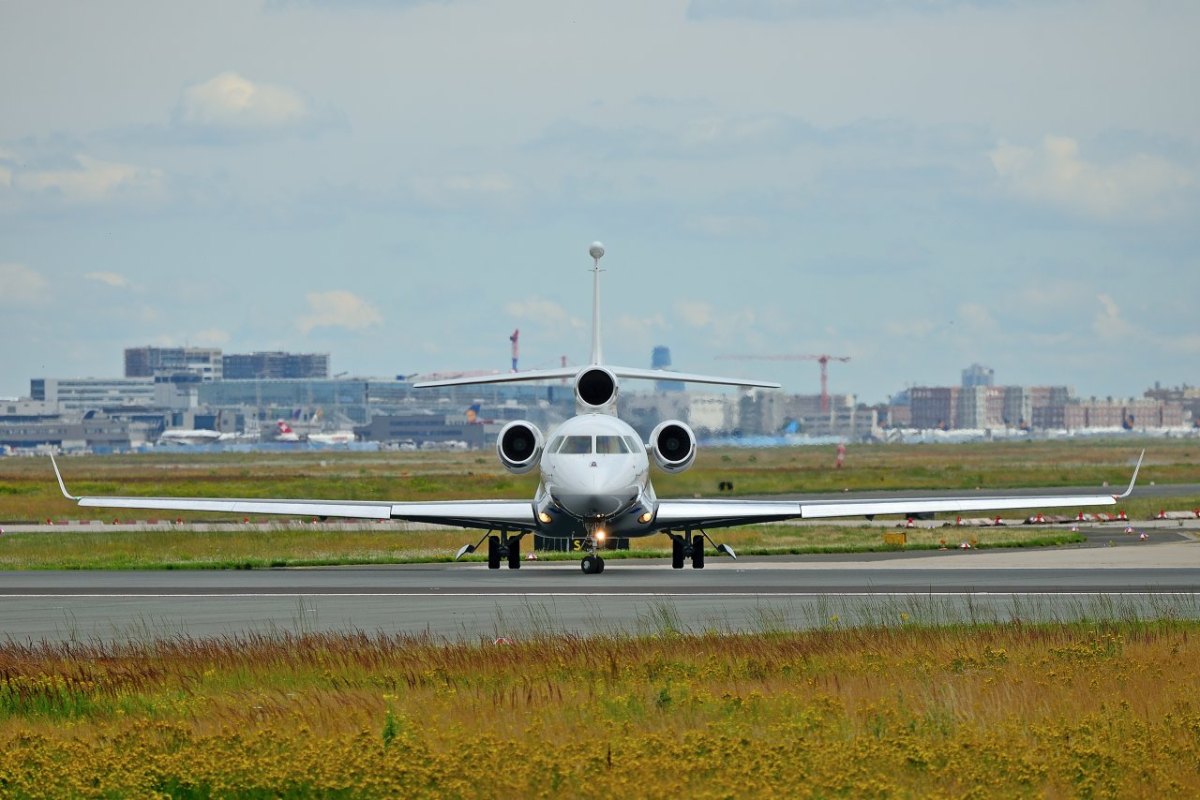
489, 514
680, 514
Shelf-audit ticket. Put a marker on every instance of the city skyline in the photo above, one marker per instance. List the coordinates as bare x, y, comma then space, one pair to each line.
917, 186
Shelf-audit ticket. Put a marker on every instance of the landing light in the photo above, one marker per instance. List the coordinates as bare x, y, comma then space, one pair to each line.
544, 518
600, 536
645, 517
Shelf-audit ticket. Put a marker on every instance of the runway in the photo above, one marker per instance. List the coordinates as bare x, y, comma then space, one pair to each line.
468, 601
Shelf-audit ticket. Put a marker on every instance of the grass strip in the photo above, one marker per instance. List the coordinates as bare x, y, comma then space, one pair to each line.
300, 547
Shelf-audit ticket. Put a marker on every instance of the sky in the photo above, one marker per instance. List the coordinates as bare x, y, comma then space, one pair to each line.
914, 184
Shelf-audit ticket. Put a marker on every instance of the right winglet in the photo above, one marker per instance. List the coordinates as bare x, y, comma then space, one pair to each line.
1132, 480
61, 485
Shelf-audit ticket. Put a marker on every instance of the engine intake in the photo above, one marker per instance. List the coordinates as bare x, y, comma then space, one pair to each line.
519, 446
673, 445
596, 387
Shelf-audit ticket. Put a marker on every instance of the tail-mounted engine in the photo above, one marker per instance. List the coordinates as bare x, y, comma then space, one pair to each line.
673, 445
519, 446
596, 391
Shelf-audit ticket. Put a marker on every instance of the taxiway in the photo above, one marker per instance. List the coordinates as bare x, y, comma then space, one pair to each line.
467, 601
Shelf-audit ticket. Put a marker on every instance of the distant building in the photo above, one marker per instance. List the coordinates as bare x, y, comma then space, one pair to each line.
275, 365
1123, 413
934, 407
978, 375
89, 431
420, 428
1016, 409
83, 394
1188, 398
660, 358
147, 362
974, 409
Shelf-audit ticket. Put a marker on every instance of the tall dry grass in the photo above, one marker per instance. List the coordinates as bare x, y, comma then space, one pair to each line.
1097, 710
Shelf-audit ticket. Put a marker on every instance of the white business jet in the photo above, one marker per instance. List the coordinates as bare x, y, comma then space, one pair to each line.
595, 482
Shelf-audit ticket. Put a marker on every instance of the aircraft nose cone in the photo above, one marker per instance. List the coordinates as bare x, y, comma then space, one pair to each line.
605, 494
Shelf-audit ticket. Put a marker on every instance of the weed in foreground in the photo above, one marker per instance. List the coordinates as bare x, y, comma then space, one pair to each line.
999, 710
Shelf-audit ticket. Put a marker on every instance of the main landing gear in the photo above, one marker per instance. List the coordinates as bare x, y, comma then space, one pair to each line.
685, 546
500, 548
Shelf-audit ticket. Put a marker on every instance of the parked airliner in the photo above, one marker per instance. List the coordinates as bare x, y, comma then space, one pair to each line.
595, 479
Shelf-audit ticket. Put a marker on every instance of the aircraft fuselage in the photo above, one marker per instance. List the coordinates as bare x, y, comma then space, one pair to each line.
595, 476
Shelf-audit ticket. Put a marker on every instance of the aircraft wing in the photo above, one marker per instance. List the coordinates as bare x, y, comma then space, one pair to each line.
487, 514
684, 514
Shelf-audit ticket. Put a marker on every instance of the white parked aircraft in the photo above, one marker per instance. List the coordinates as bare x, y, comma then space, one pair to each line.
187, 436
287, 434
595, 481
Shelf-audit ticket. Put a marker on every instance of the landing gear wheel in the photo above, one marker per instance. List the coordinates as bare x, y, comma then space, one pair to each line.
514, 553
592, 565
677, 552
493, 552
698, 551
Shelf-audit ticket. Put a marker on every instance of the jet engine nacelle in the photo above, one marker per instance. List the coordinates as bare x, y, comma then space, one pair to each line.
595, 390
673, 445
519, 446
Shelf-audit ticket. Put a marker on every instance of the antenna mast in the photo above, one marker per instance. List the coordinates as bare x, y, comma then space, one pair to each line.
596, 251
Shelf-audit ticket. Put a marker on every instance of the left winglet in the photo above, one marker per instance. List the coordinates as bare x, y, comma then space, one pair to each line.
1132, 480
61, 485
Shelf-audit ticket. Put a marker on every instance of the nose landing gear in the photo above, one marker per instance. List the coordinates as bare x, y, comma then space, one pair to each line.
592, 563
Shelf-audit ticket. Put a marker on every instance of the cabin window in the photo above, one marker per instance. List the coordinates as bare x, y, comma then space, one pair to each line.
610, 445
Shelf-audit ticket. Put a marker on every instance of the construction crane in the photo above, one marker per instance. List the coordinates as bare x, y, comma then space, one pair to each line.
820, 358
515, 335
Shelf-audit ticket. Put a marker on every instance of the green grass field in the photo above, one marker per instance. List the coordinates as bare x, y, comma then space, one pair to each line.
285, 546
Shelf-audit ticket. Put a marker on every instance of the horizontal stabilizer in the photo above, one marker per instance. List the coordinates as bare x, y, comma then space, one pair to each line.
560, 373
686, 377
556, 374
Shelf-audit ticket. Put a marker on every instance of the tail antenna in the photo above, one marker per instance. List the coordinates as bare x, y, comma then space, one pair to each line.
596, 251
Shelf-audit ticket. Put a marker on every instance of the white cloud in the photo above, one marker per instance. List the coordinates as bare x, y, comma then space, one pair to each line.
234, 104
338, 309
89, 180
777, 10
1055, 174
718, 225
456, 191
20, 285
977, 318
1108, 323
909, 327
211, 337
696, 313
113, 279
639, 329
538, 309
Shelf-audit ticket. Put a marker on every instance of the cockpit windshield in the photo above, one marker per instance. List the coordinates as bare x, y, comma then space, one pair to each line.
587, 445
575, 445
609, 445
